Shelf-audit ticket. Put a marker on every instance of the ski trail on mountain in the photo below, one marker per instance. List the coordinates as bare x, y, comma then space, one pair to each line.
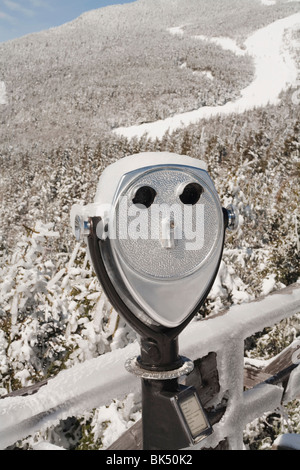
275, 71
2, 93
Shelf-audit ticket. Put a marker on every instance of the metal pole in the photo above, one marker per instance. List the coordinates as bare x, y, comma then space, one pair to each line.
161, 429
160, 423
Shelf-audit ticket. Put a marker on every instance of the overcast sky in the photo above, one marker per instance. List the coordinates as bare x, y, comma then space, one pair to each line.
20, 17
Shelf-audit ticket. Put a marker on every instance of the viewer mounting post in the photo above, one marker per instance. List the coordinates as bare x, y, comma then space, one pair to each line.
155, 234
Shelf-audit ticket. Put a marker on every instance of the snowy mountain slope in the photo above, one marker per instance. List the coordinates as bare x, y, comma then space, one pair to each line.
119, 66
275, 71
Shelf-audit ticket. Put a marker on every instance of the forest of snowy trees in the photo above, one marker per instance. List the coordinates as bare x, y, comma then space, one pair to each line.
55, 143
54, 313
69, 84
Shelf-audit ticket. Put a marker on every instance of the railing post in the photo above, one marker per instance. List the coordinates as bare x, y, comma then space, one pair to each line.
233, 363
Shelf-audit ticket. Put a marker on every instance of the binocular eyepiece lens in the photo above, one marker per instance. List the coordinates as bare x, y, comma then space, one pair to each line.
144, 196
191, 194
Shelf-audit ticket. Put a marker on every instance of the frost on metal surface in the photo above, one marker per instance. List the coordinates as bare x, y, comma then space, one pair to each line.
293, 388
134, 368
85, 386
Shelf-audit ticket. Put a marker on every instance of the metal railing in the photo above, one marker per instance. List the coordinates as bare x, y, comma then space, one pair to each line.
98, 381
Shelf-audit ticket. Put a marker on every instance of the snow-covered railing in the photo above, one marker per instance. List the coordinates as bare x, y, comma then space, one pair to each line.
96, 382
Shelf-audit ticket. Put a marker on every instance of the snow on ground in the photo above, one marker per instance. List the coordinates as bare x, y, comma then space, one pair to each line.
2, 93
46, 446
204, 73
226, 43
268, 2
275, 72
176, 30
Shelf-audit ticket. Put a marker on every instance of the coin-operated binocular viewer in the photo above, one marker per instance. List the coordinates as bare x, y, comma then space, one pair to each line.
155, 235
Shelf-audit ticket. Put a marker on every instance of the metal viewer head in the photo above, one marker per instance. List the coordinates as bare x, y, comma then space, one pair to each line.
155, 234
